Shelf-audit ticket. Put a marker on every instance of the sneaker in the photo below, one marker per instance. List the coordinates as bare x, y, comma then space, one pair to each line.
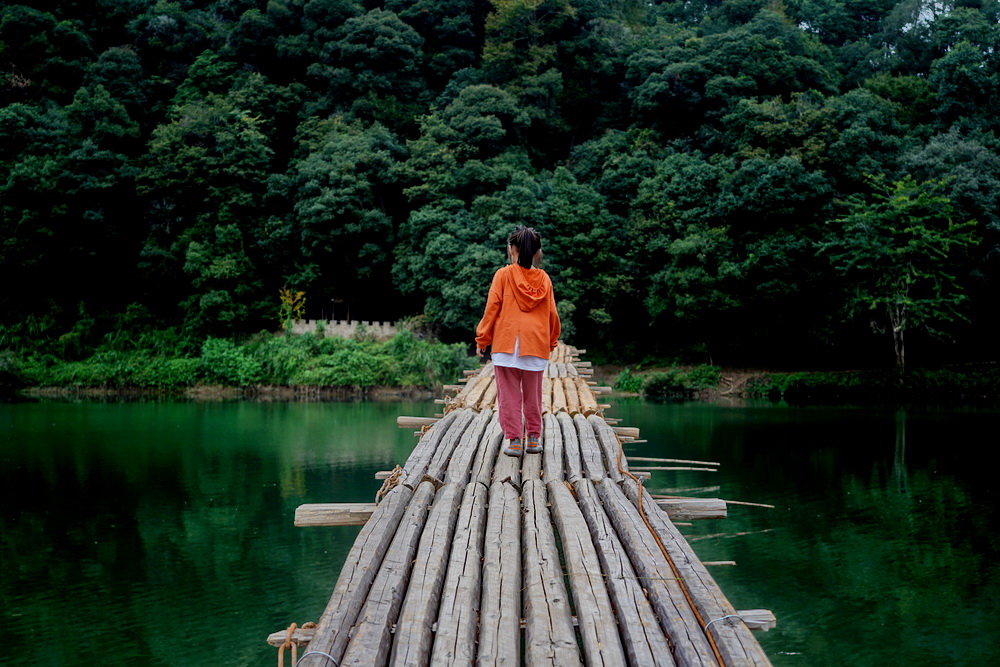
513, 447
534, 447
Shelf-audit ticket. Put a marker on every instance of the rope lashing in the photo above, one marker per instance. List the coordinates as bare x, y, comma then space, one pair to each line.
670, 561
391, 482
292, 643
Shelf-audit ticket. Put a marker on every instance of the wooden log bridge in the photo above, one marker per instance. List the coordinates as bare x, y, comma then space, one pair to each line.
556, 559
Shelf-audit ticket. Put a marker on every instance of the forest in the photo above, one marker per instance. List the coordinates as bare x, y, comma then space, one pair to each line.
788, 183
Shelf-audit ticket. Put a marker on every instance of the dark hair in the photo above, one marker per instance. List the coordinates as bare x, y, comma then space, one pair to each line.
527, 241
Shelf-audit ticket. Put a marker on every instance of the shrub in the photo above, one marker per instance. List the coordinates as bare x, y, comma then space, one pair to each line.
628, 382
11, 371
680, 384
225, 363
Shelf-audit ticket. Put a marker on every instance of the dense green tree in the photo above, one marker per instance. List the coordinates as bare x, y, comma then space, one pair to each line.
683, 80
207, 167
119, 71
469, 148
450, 264
967, 87
898, 251
226, 293
374, 61
337, 240
40, 55
452, 31
680, 159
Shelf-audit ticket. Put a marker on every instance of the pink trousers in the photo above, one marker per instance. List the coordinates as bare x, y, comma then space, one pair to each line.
519, 390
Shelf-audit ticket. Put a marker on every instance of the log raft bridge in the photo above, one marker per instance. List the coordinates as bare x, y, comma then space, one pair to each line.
556, 559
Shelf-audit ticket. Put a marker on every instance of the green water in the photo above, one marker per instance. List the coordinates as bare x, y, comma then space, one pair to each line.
160, 533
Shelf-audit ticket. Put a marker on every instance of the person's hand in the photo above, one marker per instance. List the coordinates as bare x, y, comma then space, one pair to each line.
479, 352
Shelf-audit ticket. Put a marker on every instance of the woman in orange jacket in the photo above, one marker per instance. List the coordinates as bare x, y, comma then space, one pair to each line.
522, 324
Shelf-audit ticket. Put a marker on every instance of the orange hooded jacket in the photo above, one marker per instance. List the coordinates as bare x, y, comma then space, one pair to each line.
520, 303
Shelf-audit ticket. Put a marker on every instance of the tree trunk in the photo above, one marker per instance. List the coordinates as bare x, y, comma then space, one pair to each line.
897, 319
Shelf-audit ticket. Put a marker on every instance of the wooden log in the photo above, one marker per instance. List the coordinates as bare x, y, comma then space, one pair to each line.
416, 463
500, 604
653, 459
590, 450
572, 371
642, 638
470, 372
507, 468
449, 441
356, 577
475, 394
546, 394
582, 364
600, 389
333, 514
758, 619
735, 642
626, 431
411, 646
489, 398
634, 468
610, 446
690, 645
486, 454
595, 615
552, 454
455, 640
588, 401
415, 422
571, 448
465, 453
357, 514
572, 396
474, 387
558, 396
371, 637
549, 638
301, 636
693, 509
531, 464
674, 492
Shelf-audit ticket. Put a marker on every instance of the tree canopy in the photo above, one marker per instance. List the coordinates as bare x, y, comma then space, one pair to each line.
726, 180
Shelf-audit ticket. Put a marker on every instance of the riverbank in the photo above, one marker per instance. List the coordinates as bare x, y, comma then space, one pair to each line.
968, 382
264, 393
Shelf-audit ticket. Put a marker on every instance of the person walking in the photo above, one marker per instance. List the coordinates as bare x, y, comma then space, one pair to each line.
521, 323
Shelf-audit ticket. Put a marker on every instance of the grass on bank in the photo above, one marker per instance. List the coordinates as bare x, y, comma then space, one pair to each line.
265, 359
687, 382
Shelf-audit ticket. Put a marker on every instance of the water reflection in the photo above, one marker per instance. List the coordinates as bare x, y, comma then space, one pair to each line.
883, 549
162, 532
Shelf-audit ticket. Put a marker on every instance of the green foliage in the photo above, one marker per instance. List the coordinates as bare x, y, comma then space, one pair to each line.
682, 161
899, 250
225, 363
292, 306
626, 381
974, 381
680, 383
11, 371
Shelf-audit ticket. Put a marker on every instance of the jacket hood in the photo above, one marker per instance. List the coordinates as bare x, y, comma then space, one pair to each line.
530, 286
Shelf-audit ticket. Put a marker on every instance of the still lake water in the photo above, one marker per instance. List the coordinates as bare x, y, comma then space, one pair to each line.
160, 533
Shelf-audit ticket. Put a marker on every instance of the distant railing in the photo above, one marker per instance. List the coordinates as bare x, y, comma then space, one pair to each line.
346, 329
